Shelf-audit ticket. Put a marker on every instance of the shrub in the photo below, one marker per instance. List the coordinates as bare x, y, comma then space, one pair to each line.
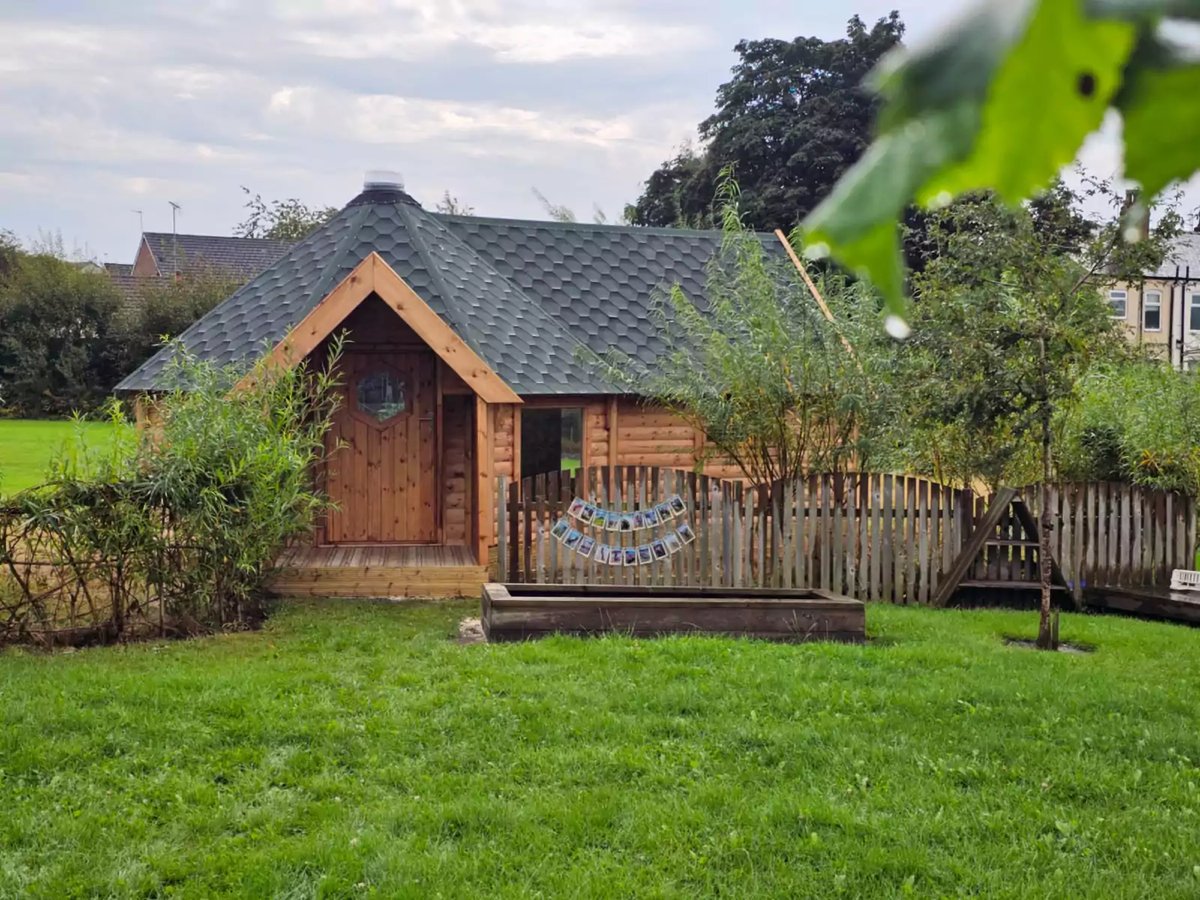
174, 529
1137, 422
58, 348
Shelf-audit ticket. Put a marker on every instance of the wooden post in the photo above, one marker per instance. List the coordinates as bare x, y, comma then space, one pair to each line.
483, 478
516, 463
612, 435
501, 543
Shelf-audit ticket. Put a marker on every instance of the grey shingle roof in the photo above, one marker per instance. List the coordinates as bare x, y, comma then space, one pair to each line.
528, 297
241, 257
600, 281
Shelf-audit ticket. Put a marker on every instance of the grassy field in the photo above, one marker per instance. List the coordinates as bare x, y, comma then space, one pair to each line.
354, 750
27, 446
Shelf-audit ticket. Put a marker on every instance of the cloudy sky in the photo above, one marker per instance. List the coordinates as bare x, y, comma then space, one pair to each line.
115, 107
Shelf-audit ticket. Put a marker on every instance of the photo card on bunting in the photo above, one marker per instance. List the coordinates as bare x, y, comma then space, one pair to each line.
560, 529
685, 533
573, 538
586, 545
651, 517
587, 513
660, 549
645, 555
575, 508
600, 519
601, 554
674, 544
677, 505
629, 556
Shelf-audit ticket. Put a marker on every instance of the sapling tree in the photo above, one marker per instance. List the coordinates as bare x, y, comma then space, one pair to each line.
778, 388
1008, 318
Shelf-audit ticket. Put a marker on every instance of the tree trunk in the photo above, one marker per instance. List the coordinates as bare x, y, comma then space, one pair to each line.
1045, 638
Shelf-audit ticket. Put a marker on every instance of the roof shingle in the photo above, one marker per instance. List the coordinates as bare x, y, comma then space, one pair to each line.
528, 297
240, 257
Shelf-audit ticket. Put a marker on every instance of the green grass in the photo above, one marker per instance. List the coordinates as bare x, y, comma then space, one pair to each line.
28, 445
352, 749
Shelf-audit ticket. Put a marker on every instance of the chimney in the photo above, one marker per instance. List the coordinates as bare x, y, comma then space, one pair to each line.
1142, 222
383, 180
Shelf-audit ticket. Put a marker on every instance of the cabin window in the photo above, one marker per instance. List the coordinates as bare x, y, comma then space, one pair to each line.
1194, 313
551, 440
1116, 300
1152, 311
380, 395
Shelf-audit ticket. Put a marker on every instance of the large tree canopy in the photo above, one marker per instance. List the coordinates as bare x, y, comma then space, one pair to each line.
790, 121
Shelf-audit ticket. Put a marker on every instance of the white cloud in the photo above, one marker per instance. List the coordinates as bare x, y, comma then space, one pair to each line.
513, 32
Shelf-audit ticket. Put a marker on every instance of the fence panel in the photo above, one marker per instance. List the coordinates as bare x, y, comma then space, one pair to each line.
874, 536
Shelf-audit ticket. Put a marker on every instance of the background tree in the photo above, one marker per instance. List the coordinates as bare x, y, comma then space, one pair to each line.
560, 213
164, 307
59, 349
790, 121
281, 220
452, 206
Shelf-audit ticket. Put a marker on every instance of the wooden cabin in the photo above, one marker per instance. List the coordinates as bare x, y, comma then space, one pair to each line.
463, 362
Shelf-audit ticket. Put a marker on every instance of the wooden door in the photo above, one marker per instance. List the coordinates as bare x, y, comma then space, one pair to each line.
383, 477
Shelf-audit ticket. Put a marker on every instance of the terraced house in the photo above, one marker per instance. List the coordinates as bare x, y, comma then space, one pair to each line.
1161, 310
466, 360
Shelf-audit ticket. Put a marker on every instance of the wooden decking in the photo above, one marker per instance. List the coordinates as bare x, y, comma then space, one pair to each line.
1146, 602
378, 571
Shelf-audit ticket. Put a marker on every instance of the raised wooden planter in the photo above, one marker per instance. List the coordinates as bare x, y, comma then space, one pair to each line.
514, 612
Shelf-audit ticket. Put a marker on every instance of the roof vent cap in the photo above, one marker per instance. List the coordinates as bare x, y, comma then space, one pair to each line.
383, 180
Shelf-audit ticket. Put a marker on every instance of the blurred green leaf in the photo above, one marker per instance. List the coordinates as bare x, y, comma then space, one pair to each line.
1050, 93
1002, 101
1162, 136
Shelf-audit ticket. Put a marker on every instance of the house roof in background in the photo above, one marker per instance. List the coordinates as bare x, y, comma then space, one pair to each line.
237, 256
132, 287
1183, 259
118, 268
529, 297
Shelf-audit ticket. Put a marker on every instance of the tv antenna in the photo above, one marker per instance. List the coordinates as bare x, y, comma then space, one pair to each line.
175, 207
141, 221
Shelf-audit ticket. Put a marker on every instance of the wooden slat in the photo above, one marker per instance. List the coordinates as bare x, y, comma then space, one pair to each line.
973, 545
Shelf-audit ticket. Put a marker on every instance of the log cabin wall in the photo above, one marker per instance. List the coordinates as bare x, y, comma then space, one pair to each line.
456, 467
620, 431
505, 439
649, 435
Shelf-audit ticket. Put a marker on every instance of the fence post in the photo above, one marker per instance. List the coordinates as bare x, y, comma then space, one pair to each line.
501, 529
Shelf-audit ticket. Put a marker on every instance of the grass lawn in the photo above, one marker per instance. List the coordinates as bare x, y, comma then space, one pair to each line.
28, 445
352, 749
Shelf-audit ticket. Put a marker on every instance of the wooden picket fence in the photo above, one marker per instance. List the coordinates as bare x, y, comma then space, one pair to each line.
1108, 533
871, 536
